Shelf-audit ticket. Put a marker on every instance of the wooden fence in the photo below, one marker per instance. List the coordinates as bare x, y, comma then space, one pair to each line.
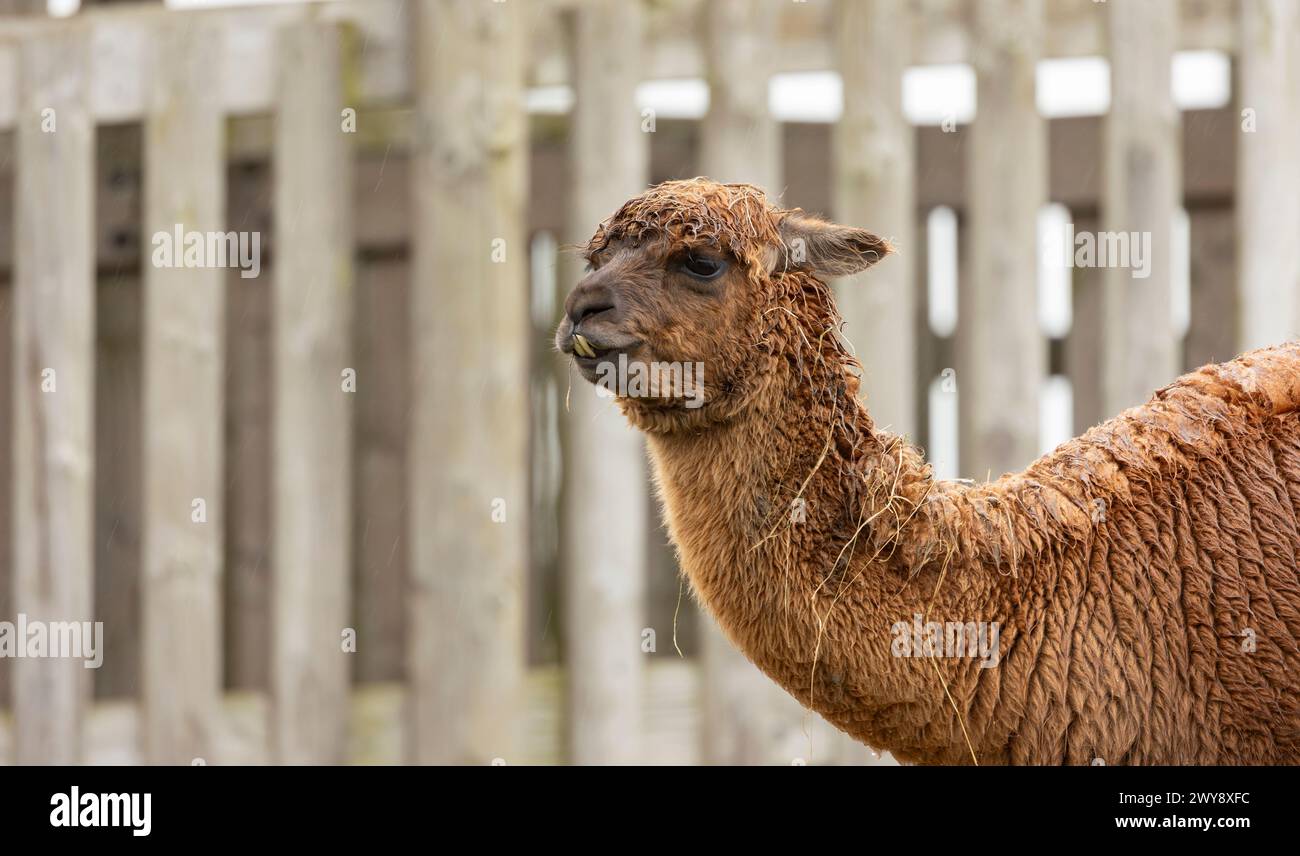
325, 514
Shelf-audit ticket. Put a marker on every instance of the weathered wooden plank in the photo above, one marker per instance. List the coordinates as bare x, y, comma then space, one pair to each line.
873, 182
1141, 191
605, 493
1268, 173
184, 368
1005, 352
53, 386
315, 383
469, 432
740, 141
873, 166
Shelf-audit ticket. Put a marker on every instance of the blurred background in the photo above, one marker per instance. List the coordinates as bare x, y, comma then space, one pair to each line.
356, 510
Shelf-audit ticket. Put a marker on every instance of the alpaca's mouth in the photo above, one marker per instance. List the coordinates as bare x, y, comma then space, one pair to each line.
590, 352
583, 348
588, 346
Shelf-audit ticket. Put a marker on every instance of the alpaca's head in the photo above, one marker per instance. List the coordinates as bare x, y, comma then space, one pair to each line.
697, 289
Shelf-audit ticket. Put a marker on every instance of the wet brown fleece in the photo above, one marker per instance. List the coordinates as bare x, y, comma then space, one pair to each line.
1143, 577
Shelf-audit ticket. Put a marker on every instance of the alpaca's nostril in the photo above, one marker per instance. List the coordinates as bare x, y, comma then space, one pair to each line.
587, 300
583, 311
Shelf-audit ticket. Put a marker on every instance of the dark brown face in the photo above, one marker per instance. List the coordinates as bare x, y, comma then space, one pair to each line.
655, 302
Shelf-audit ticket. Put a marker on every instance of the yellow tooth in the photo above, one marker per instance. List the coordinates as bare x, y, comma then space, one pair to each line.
582, 346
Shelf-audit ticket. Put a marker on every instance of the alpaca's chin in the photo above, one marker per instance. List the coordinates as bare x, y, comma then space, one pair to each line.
587, 367
605, 365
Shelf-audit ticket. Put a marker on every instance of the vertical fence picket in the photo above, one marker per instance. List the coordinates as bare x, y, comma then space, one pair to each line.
53, 385
743, 712
312, 454
184, 372
1006, 353
874, 179
469, 437
874, 186
605, 491
1141, 166
1268, 173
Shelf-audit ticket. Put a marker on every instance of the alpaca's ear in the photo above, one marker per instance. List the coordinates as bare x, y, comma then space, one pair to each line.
828, 249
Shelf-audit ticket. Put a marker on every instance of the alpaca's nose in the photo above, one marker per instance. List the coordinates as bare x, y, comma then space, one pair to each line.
586, 301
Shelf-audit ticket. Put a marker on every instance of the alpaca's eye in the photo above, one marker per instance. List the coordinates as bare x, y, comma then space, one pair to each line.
703, 268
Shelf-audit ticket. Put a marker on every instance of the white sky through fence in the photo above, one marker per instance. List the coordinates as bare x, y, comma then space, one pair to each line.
932, 94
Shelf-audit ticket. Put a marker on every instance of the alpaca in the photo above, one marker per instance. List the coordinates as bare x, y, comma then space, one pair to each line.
1140, 582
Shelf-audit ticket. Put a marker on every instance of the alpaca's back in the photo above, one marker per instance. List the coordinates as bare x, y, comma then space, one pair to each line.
1188, 590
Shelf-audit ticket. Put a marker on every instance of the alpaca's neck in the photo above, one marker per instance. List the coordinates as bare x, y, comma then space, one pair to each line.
809, 536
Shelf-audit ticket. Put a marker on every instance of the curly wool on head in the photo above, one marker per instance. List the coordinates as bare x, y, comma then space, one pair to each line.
795, 319
734, 218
